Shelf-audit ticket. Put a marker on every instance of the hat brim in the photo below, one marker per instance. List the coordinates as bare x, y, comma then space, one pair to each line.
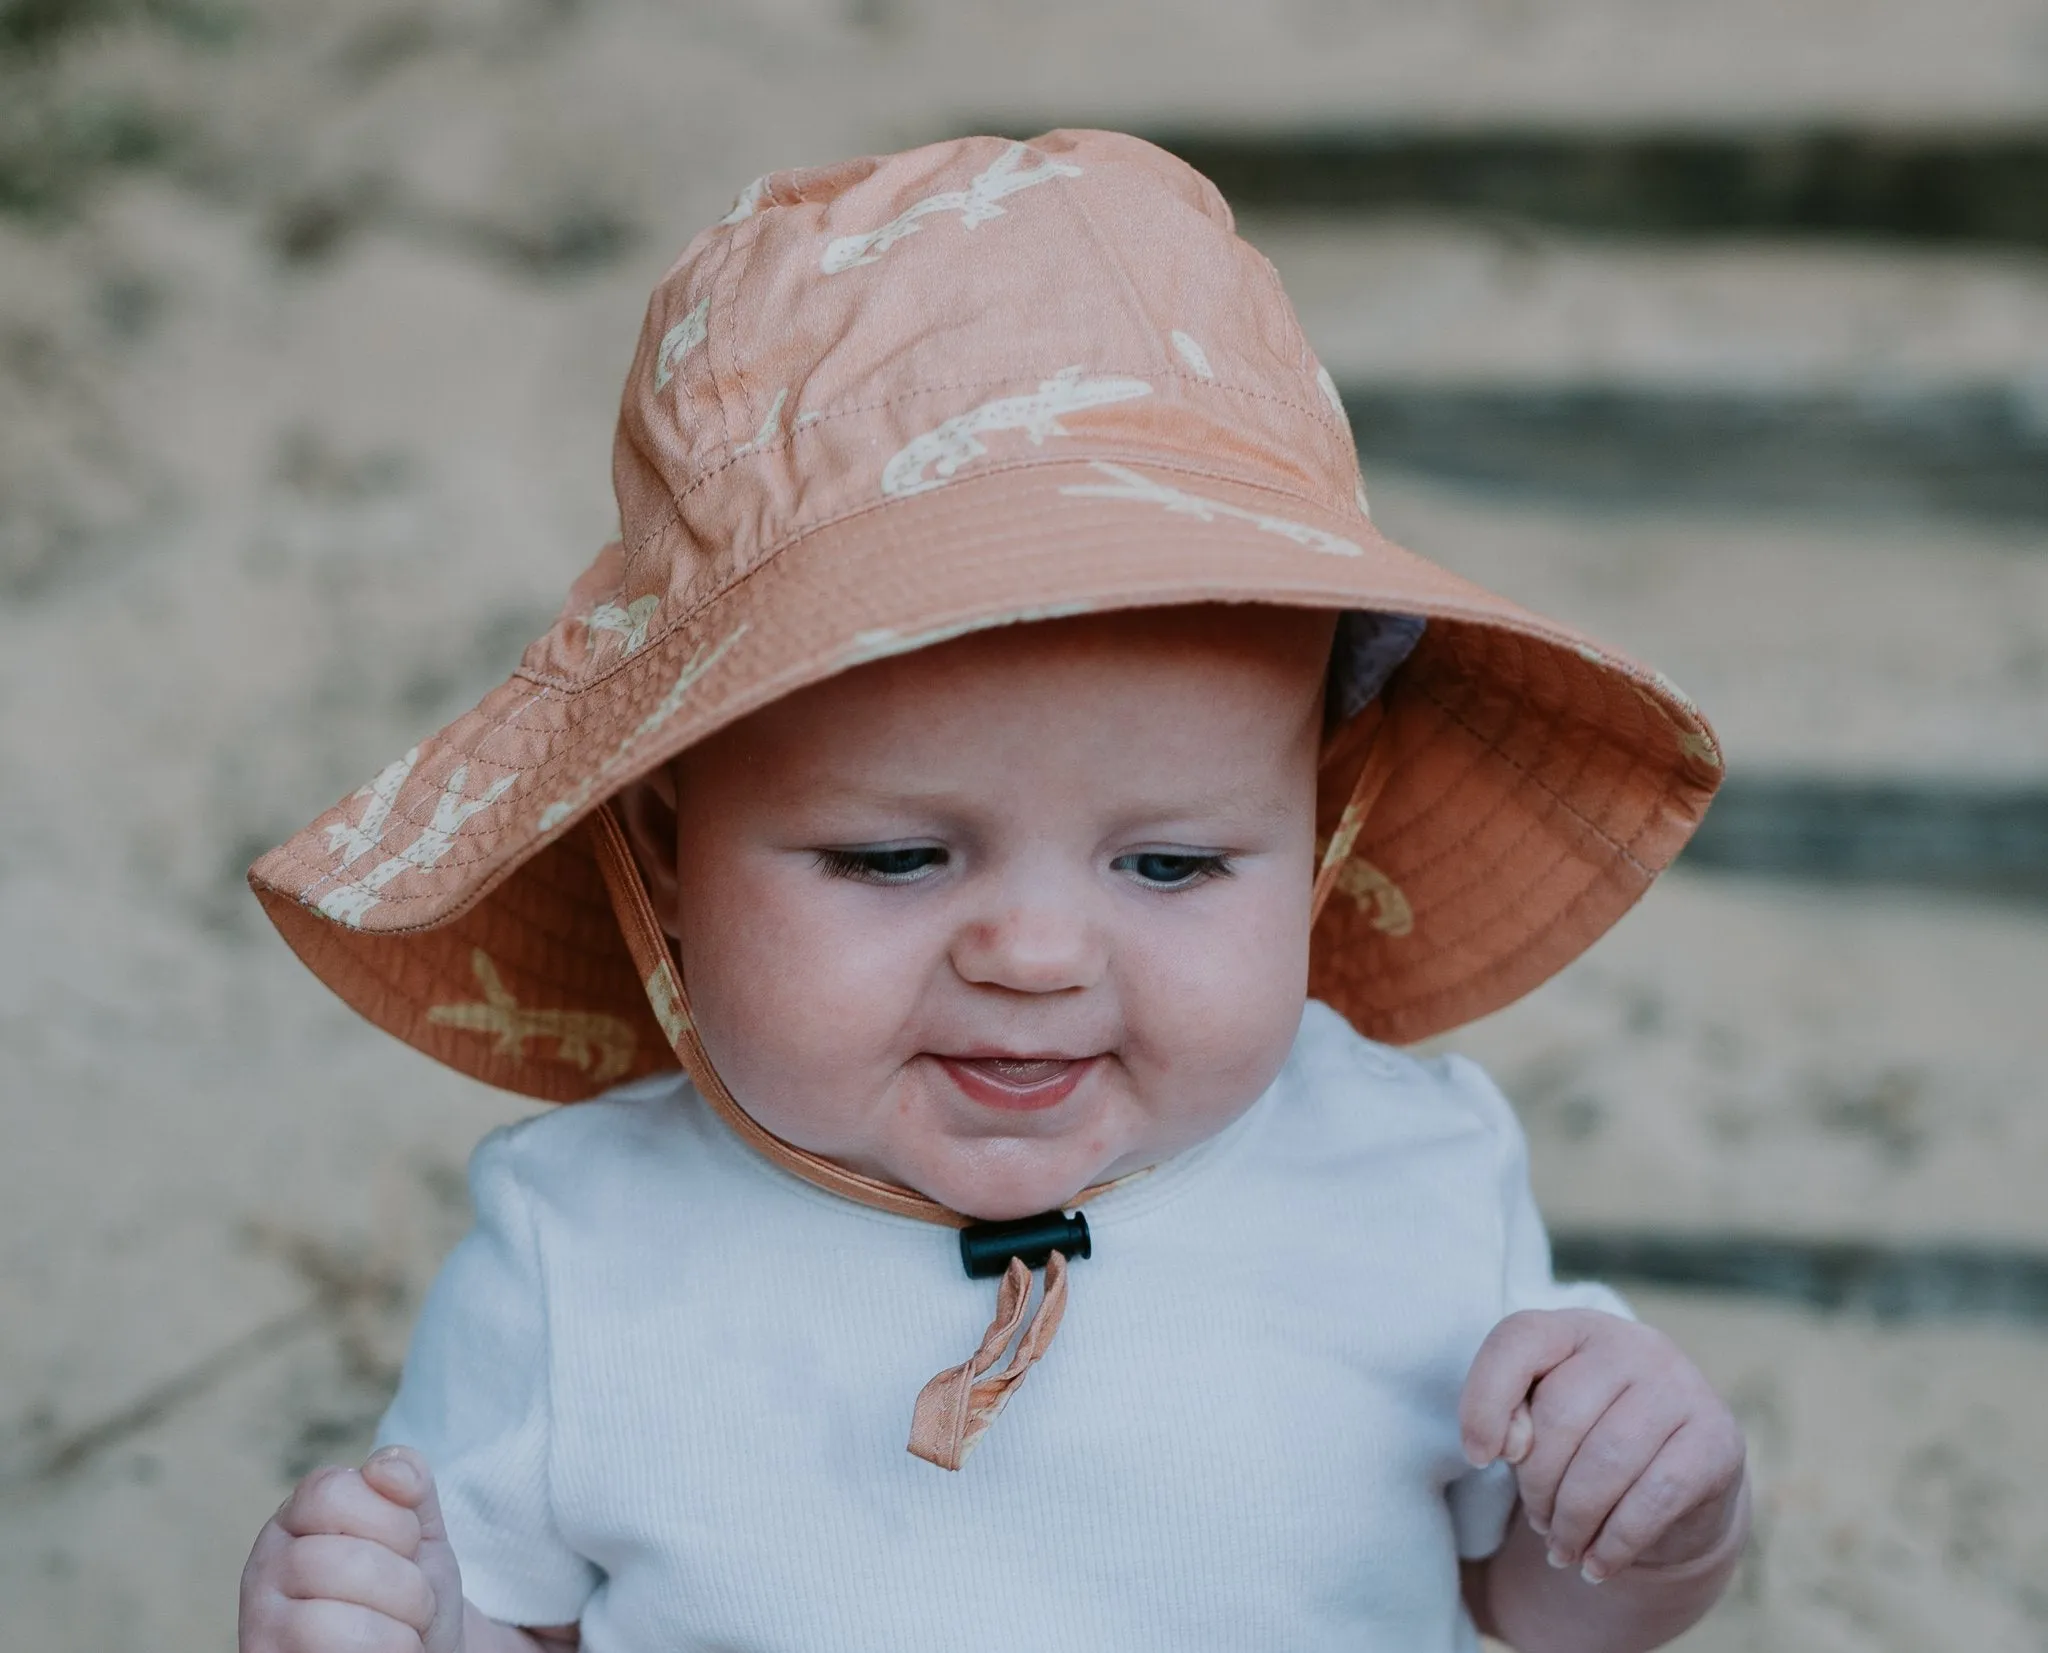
1540, 781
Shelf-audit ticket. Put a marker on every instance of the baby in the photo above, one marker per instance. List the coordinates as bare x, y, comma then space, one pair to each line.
997, 718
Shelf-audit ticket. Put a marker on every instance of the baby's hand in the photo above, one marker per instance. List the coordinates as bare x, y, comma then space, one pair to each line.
1623, 1452
356, 1561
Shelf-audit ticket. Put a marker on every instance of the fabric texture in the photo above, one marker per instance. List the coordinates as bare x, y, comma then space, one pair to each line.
893, 401
663, 1384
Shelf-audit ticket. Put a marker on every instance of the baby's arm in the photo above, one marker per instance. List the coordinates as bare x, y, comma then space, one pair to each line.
1632, 1483
357, 1561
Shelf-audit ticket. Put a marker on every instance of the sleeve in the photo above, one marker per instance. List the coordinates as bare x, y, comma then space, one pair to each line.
473, 1400
1482, 1500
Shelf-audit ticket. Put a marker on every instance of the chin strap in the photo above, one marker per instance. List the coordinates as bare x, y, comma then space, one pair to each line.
663, 980
1359, 742
954, 1410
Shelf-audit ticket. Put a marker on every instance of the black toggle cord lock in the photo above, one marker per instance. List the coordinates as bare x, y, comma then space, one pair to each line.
986, 1248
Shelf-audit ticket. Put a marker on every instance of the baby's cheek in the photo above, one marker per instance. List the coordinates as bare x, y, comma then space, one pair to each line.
1212, 1013
799, 1019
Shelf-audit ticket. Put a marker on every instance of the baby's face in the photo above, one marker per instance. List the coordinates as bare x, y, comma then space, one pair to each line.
998, 919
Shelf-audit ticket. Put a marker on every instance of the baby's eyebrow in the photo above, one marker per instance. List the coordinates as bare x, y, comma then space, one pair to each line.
952, 807
856, 807
1250, 805
1252, 799
854, 789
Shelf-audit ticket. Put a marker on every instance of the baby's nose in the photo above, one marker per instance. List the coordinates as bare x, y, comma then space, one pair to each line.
1031, 949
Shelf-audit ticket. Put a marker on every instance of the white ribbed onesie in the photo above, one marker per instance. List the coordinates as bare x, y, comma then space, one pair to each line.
665, 1387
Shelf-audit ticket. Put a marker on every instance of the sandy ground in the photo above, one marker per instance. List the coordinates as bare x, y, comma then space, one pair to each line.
304, 423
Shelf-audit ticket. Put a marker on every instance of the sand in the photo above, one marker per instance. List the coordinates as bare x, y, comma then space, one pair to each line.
308, 358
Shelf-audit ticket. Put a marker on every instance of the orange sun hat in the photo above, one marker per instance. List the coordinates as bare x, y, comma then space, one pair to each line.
888, 402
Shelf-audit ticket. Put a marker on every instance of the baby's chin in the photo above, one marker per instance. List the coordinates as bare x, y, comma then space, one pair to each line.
994, 1174
993, 1183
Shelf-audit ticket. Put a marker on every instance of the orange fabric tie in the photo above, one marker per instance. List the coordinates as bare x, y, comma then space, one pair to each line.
954, 1410
1361, 740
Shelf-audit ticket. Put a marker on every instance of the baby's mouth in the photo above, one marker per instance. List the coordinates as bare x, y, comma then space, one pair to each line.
1017, 1081
1021, 1071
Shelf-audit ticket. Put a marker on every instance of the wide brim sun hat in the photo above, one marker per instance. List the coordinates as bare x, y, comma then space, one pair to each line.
889, 402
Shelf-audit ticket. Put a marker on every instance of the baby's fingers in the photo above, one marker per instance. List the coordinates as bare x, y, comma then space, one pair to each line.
1614, 1455
341, 1502
1517, 1352
1694, 1480
355, 1571
1568, 1406
342, 1627
402, 1475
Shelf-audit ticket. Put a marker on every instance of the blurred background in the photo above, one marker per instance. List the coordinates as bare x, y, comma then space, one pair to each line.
1717, 326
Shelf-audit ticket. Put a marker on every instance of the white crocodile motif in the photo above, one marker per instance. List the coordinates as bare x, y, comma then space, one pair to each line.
748, 201
1193, 354
601, 1045
701, 660
679, 341
348, 901
1131, 485
979, 202
630, 622
931, 460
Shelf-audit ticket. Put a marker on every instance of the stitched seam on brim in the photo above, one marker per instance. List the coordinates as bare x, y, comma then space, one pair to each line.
457, 861
428, 798
735, 455
487, 850
578, 686
736, 451
1623, 850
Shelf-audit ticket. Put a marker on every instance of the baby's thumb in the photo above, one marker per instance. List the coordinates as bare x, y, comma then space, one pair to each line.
401, 1474
1521, 1434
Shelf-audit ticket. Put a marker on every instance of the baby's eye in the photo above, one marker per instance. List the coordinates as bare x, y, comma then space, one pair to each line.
1172, 869
882, 866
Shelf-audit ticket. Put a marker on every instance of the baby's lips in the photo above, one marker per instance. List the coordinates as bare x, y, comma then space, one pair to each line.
1017, 1070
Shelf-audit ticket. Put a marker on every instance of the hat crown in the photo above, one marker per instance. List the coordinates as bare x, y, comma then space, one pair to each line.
861, 332
886, 403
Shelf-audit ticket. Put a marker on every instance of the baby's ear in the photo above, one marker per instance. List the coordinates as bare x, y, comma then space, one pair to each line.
647, 810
